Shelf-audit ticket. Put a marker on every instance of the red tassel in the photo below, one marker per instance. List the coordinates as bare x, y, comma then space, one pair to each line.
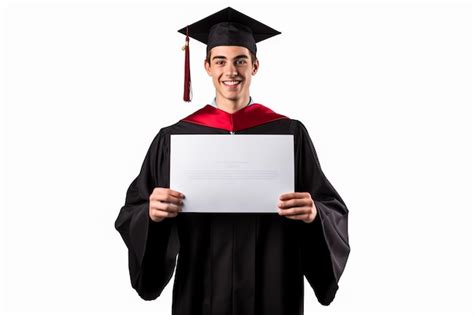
187, 71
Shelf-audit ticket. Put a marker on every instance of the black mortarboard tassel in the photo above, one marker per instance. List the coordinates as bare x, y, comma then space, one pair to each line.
227, 27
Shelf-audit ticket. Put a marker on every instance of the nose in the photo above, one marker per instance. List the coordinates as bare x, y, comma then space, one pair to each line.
231, 69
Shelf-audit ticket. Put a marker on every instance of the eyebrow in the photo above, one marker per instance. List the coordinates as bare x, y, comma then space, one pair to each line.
224, 57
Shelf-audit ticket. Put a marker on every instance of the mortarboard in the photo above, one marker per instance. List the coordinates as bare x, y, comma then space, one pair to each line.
227, 27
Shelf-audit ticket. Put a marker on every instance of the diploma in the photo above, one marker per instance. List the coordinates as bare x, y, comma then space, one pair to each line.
231, 173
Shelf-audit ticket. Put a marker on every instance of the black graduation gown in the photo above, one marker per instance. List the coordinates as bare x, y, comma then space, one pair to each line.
235, 263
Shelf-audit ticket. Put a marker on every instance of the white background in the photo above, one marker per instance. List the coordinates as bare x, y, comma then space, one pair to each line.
385, 90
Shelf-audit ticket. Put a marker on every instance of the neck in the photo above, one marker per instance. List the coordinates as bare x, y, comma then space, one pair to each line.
231, 106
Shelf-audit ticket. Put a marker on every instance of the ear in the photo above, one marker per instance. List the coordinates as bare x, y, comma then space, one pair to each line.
207, 66
255, 66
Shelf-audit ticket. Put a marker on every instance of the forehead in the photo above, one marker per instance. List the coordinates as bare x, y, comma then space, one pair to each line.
229, 51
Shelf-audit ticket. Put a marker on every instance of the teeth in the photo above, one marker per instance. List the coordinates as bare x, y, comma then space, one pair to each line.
231, 82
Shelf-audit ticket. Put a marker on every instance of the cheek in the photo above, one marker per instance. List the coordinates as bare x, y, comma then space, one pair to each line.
216, 75
212, 74
215, 80
248, 79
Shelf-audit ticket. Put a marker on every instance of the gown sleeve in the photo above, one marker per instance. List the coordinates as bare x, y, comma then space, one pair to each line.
152, 246
325, 241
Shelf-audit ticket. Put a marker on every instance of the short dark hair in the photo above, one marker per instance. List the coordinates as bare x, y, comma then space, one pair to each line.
253, 57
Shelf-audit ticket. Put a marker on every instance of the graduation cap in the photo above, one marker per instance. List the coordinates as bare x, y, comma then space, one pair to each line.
227, 27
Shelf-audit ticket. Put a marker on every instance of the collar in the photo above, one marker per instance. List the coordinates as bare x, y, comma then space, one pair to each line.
213, 103
249, 116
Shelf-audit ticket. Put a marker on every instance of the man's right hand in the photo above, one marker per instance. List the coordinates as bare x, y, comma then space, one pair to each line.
164, 203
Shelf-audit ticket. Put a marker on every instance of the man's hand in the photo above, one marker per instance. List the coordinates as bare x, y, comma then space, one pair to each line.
297, 206
164, 203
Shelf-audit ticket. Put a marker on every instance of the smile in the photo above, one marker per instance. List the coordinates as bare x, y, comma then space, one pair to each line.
231, 83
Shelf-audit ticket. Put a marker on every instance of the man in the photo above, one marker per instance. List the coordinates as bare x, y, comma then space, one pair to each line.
235, 263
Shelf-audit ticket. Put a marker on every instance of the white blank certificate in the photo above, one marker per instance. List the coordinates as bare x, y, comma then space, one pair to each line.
231, 173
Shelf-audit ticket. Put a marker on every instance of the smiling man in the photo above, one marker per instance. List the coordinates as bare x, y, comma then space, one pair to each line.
231, 69
237, 263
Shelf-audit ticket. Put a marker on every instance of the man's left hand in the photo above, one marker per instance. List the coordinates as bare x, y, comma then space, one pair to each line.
297, 206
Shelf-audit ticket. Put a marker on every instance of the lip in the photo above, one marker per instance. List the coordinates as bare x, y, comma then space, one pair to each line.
231, 83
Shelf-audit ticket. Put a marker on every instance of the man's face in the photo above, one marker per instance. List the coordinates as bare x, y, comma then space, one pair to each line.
231, 69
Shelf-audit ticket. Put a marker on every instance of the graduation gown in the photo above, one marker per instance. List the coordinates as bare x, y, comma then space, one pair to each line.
239, 263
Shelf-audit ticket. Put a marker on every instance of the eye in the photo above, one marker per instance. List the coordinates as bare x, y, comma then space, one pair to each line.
241, 61
219, 62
